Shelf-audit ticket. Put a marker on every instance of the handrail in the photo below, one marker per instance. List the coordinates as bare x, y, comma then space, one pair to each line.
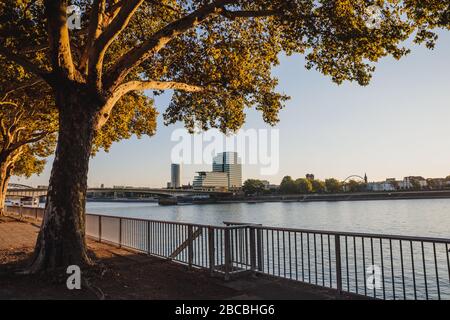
345, 233
171, 222
237, 225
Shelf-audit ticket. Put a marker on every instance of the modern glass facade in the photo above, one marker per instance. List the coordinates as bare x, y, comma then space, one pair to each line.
230, 163
211, 181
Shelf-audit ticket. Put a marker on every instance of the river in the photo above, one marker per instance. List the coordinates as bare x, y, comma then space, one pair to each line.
427, 217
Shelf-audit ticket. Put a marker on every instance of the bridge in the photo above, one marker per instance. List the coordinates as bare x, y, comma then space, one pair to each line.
356, 176
125, 192
21, 191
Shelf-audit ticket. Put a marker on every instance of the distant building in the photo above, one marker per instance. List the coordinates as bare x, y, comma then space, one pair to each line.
411, 180
380, 186
229, 163
404, 185
268, 186
211, 181
186, 187
175, 180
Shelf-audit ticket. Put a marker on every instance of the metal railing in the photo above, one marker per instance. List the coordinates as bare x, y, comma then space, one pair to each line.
195, 245
373, 265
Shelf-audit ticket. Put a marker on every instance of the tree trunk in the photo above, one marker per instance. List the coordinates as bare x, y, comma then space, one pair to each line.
61, 241
5, 174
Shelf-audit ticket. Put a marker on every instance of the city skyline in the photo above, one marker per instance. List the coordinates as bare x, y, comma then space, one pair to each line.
395, 127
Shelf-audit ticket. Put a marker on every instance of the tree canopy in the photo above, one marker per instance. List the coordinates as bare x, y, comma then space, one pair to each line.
333, 185
318, 186
217, 55
253, 186
28, 123
287, 185
303, 185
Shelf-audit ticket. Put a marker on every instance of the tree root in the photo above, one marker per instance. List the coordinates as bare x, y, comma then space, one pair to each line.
95, 290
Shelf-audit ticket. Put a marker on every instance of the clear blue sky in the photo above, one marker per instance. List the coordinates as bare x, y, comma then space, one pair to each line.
397, 126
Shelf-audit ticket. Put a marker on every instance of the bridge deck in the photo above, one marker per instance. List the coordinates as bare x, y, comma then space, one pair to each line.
39, 192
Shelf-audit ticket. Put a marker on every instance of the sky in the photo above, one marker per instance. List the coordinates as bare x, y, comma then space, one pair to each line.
395, 127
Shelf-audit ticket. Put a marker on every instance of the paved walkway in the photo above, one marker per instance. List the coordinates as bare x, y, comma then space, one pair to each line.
130, 275
16, 235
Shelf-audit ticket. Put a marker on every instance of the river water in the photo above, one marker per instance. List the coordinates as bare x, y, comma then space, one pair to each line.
408, 269
429, 217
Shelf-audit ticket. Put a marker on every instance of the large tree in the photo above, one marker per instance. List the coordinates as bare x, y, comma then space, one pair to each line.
28, 123
253, 187
216, 54
287, 185
333, 185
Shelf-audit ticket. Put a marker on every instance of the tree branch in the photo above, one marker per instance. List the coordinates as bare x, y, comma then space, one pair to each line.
4, 132
117, 25
36, 138
59, 40
30, 83
158, 40
94, 30
139, 86
25, 63
157, 85
249, 13
34, 49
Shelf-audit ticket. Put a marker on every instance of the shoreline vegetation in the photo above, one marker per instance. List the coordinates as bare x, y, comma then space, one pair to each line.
358, 196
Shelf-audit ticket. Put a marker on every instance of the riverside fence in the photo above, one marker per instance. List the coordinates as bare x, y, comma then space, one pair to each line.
373, 265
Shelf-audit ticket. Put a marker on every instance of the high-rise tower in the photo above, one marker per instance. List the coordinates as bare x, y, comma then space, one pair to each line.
230, 163
175, 180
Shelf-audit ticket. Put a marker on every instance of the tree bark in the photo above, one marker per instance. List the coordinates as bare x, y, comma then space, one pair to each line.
5, 174
61, 241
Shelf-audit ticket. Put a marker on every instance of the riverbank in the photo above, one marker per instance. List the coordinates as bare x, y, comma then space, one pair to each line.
126, 274
359, 196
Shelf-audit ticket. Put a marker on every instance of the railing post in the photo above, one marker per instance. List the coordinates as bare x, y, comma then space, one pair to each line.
211, 249
99, 228
36, 214
337, 250
259, 248
148, 237
252, 248
227, 254
190, 246
120, 232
